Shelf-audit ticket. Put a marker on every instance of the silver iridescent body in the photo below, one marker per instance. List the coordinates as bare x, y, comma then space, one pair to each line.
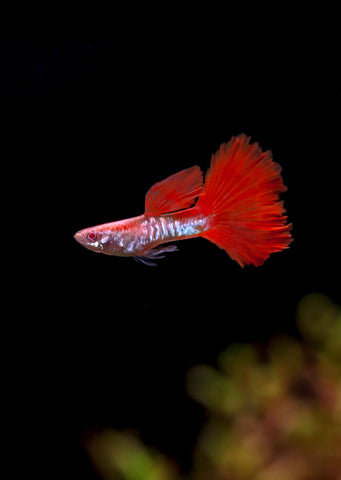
138, 236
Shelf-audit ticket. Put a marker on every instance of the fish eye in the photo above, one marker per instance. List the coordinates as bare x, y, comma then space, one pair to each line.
91, 236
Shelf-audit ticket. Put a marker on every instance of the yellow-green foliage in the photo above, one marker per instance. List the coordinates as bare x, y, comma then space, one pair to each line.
274, 412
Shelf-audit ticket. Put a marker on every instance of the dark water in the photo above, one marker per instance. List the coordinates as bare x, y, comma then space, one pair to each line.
109, 115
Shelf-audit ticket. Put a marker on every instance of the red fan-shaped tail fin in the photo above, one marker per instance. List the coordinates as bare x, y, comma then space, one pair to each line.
241, 197
176, 192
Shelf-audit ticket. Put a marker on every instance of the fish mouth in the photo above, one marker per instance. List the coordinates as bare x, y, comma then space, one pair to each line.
77, 237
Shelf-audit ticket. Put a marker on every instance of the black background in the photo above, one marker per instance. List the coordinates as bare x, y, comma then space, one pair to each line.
96, 119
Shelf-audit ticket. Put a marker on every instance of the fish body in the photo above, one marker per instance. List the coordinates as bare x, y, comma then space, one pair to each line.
237, 208
142, 235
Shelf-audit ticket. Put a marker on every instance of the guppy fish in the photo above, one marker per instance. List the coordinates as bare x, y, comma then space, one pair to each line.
237, 208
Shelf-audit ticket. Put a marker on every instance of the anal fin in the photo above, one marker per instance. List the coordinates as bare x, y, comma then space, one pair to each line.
155, 254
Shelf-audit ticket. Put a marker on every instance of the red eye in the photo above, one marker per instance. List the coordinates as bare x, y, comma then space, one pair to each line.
91, 236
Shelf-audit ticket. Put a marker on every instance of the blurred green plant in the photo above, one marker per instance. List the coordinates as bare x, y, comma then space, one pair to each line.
122, 456
274, 412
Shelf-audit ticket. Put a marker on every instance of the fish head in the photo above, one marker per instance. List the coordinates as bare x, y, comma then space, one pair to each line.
94, 239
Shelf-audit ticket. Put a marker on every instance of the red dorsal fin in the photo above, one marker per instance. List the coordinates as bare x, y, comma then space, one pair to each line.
175, 192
